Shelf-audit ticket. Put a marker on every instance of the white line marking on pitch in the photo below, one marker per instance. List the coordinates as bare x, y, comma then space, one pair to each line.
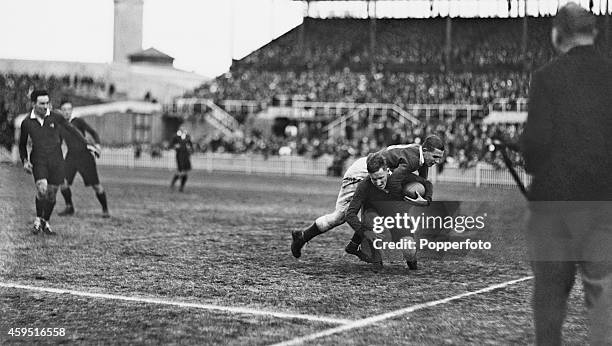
230, 309
377, 318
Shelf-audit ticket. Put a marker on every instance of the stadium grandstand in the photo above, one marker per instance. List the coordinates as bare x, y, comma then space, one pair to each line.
346, 86
342, 84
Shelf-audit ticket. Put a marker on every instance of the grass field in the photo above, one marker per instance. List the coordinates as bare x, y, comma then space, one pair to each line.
212, 266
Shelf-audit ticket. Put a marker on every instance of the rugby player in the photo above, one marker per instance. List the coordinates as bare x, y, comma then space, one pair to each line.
45, 161
373, 194
183, 146
415, 157
80, 159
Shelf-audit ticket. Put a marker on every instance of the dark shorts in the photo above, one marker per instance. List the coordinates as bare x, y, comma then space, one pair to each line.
83, 163
183, 162
51, 168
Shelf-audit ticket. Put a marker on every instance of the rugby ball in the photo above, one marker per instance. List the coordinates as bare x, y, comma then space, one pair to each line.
411, 189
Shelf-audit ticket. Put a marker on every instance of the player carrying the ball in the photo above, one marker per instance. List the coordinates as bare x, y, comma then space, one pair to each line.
413, 156
379, 195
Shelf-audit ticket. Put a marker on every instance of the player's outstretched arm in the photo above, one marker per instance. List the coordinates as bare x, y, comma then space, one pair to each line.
84, 126
69, 128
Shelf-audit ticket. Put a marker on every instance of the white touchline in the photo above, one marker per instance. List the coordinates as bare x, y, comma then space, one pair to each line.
374, 319
230, 309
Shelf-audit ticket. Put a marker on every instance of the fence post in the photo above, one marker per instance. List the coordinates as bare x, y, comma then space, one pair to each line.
131, 159
209, 162
249, 164
288, 166
478, 174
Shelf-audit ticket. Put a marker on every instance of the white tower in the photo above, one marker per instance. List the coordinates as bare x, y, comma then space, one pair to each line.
127, 38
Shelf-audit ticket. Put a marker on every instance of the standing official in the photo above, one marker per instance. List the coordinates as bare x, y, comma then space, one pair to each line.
80, 158
567, 146
45, 161
183, 146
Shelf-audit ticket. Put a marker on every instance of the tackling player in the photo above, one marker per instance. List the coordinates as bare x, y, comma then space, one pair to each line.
413, 156
80, 158
381, 186
45, 162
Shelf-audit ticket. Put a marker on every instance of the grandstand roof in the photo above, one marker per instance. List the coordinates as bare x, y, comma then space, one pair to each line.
443, 8
151, 55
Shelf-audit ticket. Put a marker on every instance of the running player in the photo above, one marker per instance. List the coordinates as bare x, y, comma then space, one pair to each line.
45, 161
80, 158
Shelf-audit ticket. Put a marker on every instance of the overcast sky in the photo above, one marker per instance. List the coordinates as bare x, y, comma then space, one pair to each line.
202, 35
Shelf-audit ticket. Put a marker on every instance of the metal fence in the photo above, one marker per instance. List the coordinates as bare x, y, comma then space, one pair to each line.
285, 165
481, 175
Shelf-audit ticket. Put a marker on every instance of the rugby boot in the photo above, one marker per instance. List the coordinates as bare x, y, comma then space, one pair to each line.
300, 238
47, 229
38, 225
412, 265
353, 249
297, 243
69, 211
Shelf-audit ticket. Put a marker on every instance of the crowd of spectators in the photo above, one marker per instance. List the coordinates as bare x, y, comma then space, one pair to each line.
468, 143
331, 60
15, 89
400, 88
409, 45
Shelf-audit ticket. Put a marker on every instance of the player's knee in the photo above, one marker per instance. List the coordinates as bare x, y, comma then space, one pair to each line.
98, 189
338, 218
41, 195
41, 187
329, 221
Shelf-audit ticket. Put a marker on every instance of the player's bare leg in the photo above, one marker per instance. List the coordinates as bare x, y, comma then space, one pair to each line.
324, 223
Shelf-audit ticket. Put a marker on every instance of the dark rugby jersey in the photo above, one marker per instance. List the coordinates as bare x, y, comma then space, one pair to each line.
45, 138
368, 195
407, 155
182, 145
76, 143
